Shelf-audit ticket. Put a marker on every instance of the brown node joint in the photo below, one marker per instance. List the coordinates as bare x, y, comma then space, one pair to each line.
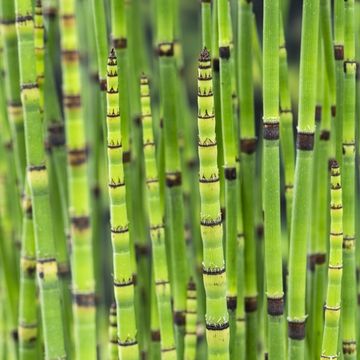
212, 179
24, 18
120, 230
56, 134
84, 300
165, 49
275, 306
205, 54
213, 271
70, 55
127, 282
318, 112
29, 86
224, 52
271, 130
77, 157
173, 179
349, 347
230, 173
142, 250
339, 52
296, 330
7, 21
305, 141
103, 85
217, 327
325, 135
119, 43
248, 146
231, 302
216, 65
155, 335
63, 270
179, 318
80, 222
127, 343
191, 285
173, 348
333, 110
251, 304
37, 167
72, 101
126, 158
212, 222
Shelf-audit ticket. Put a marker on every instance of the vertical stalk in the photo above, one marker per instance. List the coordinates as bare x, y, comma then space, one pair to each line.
83, 284
348, 163
335, 268
123, 267
39, 185
300, 218
113, 343
214, 274
191, 320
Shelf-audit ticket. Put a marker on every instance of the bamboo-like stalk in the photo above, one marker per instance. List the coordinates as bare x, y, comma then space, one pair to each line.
28, 326
113, 343
123, 267
38, 182
157, 234
271, 185
348, 166
39, 33
173, 174
300, 218
206, 25
191, 322
333, 296
217, 318
155, 336
247, 156
83, 285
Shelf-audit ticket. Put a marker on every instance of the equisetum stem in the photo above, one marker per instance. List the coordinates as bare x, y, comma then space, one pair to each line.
113, 343
206, 27
214, 274
157, 231
39, 39
191, 322
300, 218
271, 184
83, 284
39, 185
123, 267
348, 166
335, 268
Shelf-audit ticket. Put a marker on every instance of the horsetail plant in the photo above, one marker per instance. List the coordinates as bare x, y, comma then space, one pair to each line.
113, 343
191, 322
83, 285
335, 268
123, 271
37, 174
214, 274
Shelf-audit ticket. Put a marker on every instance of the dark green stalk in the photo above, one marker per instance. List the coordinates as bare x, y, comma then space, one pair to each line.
155, 349
248, 149
113, 343
206, 25
348, 163
271, 185
333, 298
214, 274
38, 181
300, 219
191, 322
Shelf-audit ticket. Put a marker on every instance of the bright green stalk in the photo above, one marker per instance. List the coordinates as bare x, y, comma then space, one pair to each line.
28, 327
229, 149
38, 182
214, 274
339, 63
348, 162
154, 325
248, 149
271, 186
83, 284
113, 343
333, 296
12, 86
39, 50
286, 127
173, 176
157, 234
206, 24
191, 320
123, 267
300, 219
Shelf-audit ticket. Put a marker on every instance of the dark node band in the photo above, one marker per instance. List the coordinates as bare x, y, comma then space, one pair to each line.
30, 270
248, 146
168, 349
224, 52
6, 22
275, 306
212, 222
77, 157
216, 65
142, 250
165, 49
318, 112
212, 179
266, 356
103, 85
179, 318
126, 158
205, 54
339, 52
124, 283
296, 330
63, 270
231, 302
29, 86
173, 179
72, 101
251, 304
217, 327
24, 18
155, 335
271, 130
120, 229
84, 300
333, 110
15, 335
349, 347
305, 141
213, 271
230, 173
127, 343
333, 164
56, 135
70, 55
191, 286
119, 43
37, 167
80, 222
325, 135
